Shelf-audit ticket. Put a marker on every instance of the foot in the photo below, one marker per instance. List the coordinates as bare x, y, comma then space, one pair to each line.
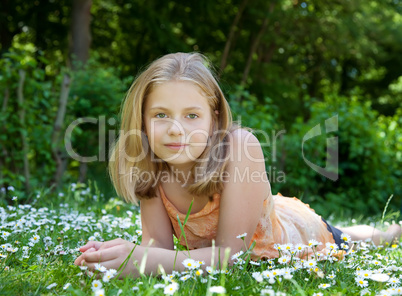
394, 232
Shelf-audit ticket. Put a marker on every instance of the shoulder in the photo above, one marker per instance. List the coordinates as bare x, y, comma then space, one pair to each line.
245, 145
243, 134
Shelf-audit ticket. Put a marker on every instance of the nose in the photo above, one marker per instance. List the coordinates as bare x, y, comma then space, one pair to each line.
175, 128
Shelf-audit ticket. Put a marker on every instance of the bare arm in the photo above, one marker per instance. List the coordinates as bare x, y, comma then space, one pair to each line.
156, 224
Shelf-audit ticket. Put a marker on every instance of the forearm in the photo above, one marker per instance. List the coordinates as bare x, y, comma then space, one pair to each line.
152, 258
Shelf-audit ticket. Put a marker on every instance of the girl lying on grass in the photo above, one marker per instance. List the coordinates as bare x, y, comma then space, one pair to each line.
179, 152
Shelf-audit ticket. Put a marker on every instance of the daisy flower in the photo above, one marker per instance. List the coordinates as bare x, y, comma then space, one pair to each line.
376, 262
109, 274
35, 239
279, 247
171, 288
4, 234
185, 278
237, 255
363, 273
284, 259
190, 263
287, 276
345, 237
332, 247
361, 282
394, 281
242, 235
100, 267
96, 285
300, 247
100, 292
159, 286
310, 263
288, 247
51, 286
257, 276
313, 243
268, 292
344, 246
331, 276
324, 286
217, 289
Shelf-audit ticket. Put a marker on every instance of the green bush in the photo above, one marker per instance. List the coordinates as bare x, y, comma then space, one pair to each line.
95, 92
259, 115
39, 102
369, 172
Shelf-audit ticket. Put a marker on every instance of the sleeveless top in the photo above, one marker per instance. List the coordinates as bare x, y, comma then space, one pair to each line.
284, 220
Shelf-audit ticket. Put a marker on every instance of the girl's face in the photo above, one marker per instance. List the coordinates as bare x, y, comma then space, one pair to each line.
178, 122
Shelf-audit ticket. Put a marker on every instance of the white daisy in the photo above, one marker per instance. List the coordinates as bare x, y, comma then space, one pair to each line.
346, 237
324, 286
242, 235
361, 282
190, 263
217, 289
96, 285
171, 288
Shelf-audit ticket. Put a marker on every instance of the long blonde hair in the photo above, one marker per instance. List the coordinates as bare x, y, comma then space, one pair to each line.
131, 158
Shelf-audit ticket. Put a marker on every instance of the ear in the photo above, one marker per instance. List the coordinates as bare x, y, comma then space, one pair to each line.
213, 125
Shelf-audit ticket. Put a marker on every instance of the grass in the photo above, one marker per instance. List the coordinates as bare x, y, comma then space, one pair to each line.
39, 242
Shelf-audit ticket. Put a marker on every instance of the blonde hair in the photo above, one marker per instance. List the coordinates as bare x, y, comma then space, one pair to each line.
129, 159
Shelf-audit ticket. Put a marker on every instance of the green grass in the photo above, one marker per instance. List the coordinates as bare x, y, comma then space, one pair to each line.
39, 242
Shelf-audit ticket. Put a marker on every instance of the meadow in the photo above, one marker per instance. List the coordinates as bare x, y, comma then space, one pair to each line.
40, 238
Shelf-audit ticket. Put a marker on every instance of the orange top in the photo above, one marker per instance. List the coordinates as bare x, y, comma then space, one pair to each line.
284, 220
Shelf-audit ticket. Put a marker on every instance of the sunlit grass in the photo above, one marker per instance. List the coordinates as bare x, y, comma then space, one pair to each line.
39, 242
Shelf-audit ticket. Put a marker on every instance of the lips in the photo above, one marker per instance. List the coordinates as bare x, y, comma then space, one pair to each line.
176, 145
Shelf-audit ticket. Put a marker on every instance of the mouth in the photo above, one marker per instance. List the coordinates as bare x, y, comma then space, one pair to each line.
176, 146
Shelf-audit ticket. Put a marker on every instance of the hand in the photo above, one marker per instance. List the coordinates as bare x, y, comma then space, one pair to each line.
110, 254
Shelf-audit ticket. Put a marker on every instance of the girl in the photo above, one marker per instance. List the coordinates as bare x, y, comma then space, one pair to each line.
179, 151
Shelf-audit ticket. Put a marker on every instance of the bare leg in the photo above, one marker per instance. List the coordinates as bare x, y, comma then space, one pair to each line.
363, 232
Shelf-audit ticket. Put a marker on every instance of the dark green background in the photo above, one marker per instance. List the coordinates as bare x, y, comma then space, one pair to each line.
290, 66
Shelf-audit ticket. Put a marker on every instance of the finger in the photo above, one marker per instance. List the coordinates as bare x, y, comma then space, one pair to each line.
91, 244
112, 243
101, 255
79, 260
115, 264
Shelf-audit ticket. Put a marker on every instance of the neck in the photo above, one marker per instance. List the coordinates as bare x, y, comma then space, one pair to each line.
181, 175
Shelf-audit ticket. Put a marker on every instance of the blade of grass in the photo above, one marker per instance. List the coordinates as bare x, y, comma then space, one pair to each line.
385, 208
144, 257
182, 233
124, 264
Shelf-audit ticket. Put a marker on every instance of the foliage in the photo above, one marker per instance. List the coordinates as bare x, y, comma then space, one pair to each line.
95, 97
368, 171
283, 59
96, 93
42, 246
39, 100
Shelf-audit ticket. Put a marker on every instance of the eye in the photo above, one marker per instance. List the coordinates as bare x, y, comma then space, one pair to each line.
160, 115
192, 116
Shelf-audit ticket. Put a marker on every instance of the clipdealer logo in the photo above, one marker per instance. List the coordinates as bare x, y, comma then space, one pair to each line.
331, 169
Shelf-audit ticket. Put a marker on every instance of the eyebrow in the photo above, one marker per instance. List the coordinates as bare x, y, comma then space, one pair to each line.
185, 109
